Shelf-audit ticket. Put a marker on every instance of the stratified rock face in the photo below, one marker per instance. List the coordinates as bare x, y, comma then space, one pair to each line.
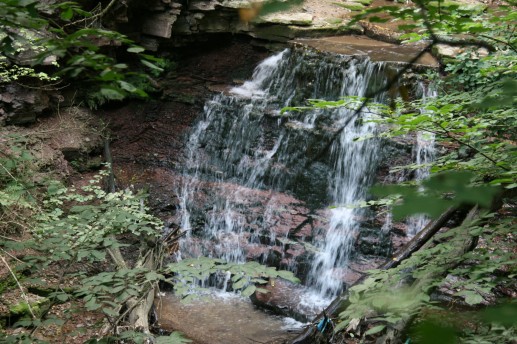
182, 21
301, 19
276, 228
21, 105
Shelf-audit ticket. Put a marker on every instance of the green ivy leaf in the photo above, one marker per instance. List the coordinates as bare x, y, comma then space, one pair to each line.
151, 65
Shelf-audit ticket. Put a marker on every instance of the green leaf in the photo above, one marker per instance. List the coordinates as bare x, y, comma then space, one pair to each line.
62, 297
473, 298
288, 275
112, 93
98, 255
92, 304
152, 276
135, 49
67, 14
127, 86
110, 311
151, 65
241, 283
248, 291
374, 330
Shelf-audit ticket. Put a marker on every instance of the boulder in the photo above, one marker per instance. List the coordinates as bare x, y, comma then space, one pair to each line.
445, 51
21, 106
159, 25
285, 298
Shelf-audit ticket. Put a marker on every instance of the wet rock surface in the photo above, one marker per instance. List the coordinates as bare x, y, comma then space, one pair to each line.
148, 138
148, 149
277, 226
374, 49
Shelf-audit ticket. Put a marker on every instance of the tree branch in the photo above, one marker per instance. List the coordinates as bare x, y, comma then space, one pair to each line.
98, 15
369, 97
25, 297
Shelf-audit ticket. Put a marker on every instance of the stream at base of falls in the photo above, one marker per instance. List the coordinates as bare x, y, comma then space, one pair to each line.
277, 187
224, 318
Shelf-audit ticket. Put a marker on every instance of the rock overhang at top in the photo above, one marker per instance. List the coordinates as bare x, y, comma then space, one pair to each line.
309, 22
374, 49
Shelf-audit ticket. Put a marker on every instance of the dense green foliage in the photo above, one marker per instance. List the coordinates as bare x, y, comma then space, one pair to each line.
61, 43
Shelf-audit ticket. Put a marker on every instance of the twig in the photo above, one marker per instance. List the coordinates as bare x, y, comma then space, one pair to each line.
10, 255
100, 14
449, 135
47, 87
1, 236
508, 44
130, 309
26, 298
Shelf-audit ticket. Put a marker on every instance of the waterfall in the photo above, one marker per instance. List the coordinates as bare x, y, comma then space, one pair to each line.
256, 179
354, 162
423, 155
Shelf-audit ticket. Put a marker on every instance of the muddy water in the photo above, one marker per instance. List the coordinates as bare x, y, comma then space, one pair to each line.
224, 318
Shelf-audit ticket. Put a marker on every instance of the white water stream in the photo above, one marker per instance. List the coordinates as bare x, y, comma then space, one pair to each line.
423, 155
250, 158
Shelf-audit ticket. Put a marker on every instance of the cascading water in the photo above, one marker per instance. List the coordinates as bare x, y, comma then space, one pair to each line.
353, 162
423, 155
250, 169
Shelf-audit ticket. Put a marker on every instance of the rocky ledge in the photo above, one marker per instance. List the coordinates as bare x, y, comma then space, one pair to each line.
277, 21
